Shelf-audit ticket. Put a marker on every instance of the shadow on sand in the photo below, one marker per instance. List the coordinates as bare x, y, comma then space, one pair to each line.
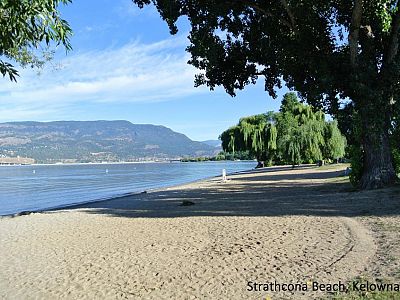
277, 191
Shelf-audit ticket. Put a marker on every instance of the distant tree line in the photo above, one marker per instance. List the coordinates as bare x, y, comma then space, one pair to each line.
223, 155
294, 135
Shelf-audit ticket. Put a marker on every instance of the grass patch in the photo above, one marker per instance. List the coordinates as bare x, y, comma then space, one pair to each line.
397, 274
334, 166
341, 179
367, 295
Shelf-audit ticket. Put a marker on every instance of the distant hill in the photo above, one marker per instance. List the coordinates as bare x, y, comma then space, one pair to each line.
212, 143
93, 141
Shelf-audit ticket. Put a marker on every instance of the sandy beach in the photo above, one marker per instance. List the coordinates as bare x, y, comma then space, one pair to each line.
271, 225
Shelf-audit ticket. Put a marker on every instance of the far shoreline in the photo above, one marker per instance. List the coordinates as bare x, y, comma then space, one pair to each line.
121, 163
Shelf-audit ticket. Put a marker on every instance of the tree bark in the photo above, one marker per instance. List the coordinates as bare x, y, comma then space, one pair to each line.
378, 168
393, 46
354, 30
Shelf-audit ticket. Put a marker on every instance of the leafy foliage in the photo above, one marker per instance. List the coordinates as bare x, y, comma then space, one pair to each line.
356, 158
301, 42
396, 158
395, 137
28, 29
239, 155
335, 144
350, 124
256, 134
294, 135
302, 132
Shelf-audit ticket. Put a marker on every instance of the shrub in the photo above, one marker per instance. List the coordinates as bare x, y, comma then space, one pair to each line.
396, 160
356, 160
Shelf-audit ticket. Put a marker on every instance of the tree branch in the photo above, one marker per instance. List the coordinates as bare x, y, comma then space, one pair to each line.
289, 12
257, 7
394, 37
266, 13
355, 30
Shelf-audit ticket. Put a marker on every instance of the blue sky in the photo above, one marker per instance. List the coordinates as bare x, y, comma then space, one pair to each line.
126, 66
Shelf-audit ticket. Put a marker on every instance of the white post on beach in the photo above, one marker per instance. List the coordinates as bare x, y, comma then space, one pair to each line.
223, 175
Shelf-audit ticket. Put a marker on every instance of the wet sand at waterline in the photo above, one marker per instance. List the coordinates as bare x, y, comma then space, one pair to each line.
270, 225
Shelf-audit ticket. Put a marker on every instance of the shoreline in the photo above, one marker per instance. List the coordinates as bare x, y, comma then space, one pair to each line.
118, 196
170, 161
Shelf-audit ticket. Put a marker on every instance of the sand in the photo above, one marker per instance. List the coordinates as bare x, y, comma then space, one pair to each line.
272, 225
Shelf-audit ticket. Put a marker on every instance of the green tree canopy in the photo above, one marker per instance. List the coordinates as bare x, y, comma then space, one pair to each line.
289, 102
335, 143
328, 50
256, 134
294, 135
300, 131
27, 30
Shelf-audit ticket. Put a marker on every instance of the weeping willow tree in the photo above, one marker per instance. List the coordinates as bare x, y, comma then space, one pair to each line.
335, 143
311, 131
256, 134
301, 132
297, 134
294, 147
232, 140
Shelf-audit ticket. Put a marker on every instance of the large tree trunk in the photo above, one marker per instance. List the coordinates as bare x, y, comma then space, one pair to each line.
378, 170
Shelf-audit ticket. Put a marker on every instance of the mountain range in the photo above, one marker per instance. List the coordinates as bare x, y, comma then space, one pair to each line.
95, 141
213, 143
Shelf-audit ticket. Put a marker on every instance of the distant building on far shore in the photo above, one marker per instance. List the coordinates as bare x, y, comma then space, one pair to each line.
16, 161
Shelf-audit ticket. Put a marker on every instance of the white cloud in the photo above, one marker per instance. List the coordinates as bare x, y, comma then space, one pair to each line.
135, 72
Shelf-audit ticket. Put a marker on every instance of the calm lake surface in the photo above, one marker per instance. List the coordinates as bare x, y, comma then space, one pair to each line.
37, 187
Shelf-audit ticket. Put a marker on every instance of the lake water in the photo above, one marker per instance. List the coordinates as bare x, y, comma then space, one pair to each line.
37, 187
